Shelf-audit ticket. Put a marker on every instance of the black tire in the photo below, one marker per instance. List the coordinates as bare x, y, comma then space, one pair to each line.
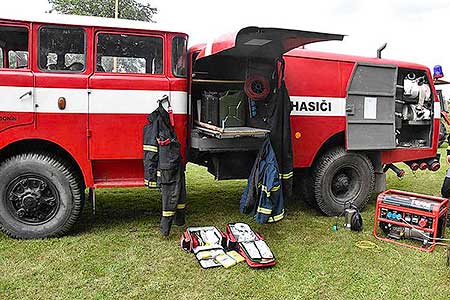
41, 196
303, 186
442, 133
341, 177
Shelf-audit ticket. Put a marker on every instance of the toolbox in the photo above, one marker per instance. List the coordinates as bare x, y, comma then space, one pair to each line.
232, 109
408, 219
224, 109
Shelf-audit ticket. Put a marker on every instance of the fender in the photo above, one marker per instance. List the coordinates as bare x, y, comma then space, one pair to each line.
79, 156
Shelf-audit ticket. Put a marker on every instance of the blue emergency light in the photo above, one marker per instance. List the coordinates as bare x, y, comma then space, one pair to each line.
438, 72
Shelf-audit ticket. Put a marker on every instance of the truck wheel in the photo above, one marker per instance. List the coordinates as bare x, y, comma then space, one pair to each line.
40, 196
342, 177
442, 133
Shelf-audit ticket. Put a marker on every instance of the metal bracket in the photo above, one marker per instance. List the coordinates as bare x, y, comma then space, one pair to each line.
92, 199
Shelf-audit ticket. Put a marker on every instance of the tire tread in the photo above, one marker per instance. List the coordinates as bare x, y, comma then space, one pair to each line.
321, 167
76, 187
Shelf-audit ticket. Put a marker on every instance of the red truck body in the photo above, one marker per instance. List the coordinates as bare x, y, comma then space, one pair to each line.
92, 117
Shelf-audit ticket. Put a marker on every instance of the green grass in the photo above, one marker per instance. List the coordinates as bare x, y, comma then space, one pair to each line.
119, 254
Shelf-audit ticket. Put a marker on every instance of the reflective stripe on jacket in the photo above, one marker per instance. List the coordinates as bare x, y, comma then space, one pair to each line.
263, 196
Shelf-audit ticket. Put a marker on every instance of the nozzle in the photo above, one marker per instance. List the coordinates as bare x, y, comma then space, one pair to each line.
399, 172
433, 164
423, 166
413, 165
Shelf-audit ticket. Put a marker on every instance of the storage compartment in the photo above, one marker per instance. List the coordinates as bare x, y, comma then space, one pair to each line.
228, 127
220, 107
413, 109
388, 107
232, 95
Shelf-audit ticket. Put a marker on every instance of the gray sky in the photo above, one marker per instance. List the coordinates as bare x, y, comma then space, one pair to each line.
413, 29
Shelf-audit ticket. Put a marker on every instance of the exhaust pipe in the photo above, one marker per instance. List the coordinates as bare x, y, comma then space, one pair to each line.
379, 50
413, 165
399, 172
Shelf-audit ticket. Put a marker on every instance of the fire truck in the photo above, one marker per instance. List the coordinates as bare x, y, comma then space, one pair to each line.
75, 93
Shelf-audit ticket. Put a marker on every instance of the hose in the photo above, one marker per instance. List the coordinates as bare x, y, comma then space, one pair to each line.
257, 87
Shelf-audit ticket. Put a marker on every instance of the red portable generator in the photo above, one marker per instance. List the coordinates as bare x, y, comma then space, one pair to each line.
407, 218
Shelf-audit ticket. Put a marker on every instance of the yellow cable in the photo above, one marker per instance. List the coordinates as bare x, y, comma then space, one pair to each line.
368, 245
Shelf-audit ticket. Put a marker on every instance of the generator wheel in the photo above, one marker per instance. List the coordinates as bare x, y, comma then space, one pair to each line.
303, 186
341, 177
41, 196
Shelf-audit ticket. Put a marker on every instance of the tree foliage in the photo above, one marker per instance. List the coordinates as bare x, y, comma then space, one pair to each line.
128, 9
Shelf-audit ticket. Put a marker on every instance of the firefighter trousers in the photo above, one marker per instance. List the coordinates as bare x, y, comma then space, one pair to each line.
173, 192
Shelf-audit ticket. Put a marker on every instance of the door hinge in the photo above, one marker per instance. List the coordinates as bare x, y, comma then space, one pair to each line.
89, 133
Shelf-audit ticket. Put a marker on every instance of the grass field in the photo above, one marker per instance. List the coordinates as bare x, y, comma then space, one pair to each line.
119, 254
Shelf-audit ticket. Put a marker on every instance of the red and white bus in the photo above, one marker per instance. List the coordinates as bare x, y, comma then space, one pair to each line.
75, 93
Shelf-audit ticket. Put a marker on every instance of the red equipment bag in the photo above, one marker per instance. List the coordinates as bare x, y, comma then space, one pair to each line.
194, 237
250, 245
206, 243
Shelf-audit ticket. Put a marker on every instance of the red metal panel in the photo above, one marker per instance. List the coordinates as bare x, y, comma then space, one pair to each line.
66, 130
14, 86
314, 132
312, 77
353, 59
119, 136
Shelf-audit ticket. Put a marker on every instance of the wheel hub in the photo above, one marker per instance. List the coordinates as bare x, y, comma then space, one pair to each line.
341, 183
32, 199
30, 202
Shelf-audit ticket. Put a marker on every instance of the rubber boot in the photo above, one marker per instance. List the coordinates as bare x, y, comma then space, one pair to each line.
166, 223
180, 217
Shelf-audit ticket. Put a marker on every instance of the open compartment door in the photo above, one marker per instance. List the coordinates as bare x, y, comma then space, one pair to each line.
370, 107
260, 42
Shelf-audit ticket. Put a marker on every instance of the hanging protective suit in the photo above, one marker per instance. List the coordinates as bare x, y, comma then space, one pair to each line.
274, 114
263, 196
266, 193
280, 136
163, 167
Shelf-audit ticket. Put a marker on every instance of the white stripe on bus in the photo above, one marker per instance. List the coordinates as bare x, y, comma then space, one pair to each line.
98, 102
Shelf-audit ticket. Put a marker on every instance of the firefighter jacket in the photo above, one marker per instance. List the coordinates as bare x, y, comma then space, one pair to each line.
280, 136
274, 114
163, 166
263, 197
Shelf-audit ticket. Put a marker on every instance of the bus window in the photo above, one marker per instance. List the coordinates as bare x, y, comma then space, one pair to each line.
62, 49
14, 45
179, 50
123, 53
